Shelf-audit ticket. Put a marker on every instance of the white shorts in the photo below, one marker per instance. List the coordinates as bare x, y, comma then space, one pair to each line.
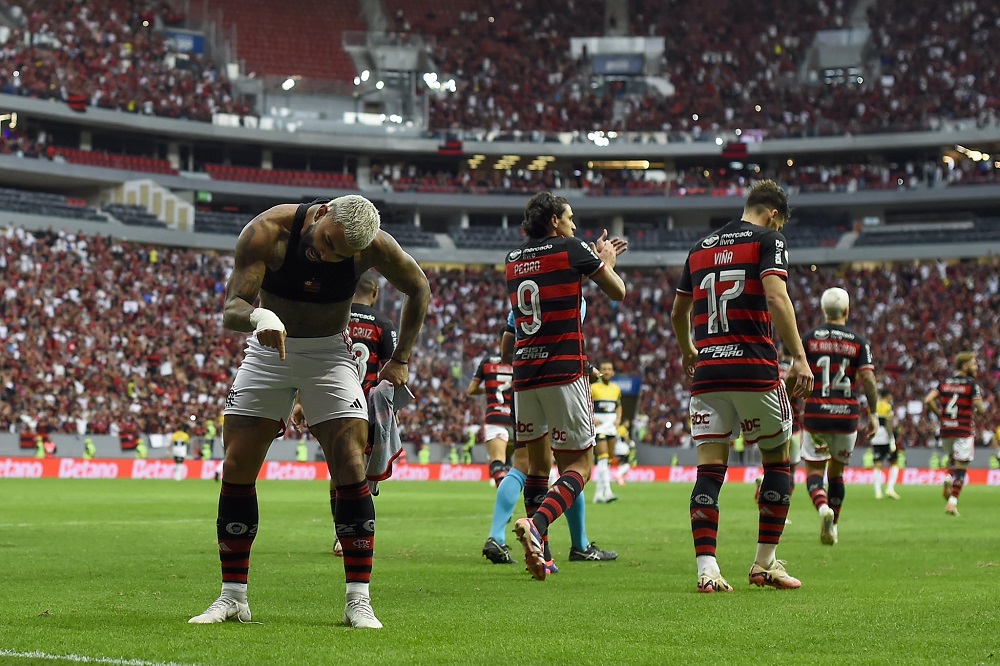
882, 437
491, 432
621, 448
565, 412
961, 449
764, 417
795, 448
821, 446
323, 371
605, 425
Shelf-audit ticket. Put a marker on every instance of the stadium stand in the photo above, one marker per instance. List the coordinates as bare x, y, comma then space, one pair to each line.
100, 54
136, 216
323, 179
298, 38
50, 205
219, 222
108, 161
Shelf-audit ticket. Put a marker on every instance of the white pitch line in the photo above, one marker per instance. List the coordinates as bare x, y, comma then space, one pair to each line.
81, 659
91, 523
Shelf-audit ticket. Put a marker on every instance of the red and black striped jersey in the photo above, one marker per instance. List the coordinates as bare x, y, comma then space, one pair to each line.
724, 276
836, 355
373, 340
957, 395
798, 404
497, 380
543, 280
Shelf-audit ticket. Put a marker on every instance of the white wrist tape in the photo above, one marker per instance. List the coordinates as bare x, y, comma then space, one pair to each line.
263, 319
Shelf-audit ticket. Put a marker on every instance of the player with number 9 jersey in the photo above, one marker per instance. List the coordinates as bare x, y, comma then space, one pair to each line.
373, 338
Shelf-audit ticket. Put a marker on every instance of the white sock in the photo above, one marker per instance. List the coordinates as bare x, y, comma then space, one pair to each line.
893, 476
952, 501
357, 590
765, 553
707, 564
603, 476
623, 470
236, 591
877, 480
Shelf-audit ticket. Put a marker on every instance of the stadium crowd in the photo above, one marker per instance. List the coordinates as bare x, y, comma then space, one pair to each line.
929, 65
107, 54
85, 350
686, 181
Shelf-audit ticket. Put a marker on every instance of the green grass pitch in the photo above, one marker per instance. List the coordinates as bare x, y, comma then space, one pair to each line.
110, 571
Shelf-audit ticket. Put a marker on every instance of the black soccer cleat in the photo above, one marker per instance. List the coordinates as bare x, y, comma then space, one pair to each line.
592, 554
496, 553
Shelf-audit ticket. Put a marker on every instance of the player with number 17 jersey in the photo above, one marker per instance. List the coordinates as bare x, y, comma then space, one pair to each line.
732, 324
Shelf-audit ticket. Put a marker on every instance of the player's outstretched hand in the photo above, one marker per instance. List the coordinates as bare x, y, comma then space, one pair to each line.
872, 425
298, 418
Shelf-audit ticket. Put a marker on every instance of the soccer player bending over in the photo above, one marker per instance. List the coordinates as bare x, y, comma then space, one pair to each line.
303, 262
840, 358
734, 284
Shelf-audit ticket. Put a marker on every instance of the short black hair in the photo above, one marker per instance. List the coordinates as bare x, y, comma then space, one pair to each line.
367, 284
768, 194
539, 212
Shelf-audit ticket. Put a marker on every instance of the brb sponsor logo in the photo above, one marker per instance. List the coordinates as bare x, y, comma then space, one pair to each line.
750, 425
525, 428
558, 435
85, 469
277, 471
20, 469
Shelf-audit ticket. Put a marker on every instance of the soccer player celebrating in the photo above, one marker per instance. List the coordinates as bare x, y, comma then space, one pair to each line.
495, 379
954, 402
840, 359
552, 401
607, 417
884, 446
303, 261
734, 283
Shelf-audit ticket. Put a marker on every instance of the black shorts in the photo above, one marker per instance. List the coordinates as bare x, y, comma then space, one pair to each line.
178, 460
623, 459
882, 453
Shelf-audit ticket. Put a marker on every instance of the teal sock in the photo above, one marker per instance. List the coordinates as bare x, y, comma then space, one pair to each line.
508, 493
576, 518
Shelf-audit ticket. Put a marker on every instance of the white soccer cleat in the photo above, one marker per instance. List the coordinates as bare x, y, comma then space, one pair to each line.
223, 610
892, 494
359, 614
827, 530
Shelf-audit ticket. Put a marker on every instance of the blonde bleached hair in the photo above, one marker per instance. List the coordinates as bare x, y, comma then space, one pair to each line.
964, 357
835, 302
359, 217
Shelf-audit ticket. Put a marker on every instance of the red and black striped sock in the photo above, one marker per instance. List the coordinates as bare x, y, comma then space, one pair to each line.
560, 496
817, 491
957, 481
497, 470
837, 492
775, 498
355, 514
535, 488
705, 508
236, 528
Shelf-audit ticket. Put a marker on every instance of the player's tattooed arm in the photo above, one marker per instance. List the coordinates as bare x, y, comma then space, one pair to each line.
252, 249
